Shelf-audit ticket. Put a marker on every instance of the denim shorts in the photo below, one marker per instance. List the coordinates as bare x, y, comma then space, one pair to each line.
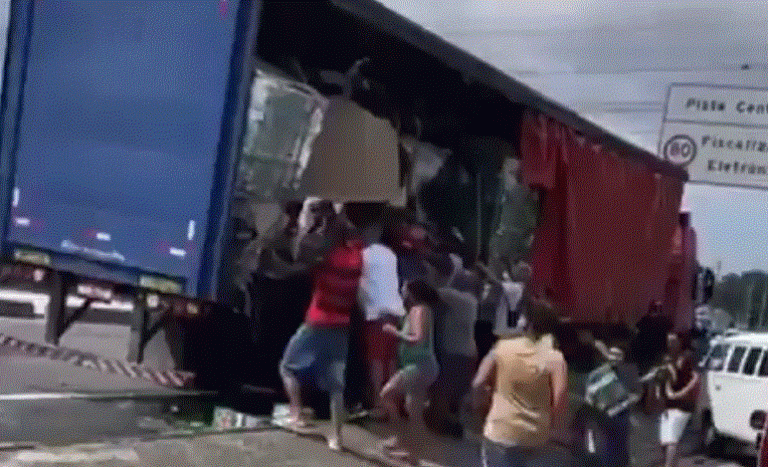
318, 355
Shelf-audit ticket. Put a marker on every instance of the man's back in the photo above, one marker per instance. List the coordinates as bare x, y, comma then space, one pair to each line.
336, 284
458, 324
379, 286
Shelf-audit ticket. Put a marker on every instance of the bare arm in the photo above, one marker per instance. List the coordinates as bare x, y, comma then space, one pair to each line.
417, 333
481, 385
603, 349
559, 381
487, 273
485, 372
686, 390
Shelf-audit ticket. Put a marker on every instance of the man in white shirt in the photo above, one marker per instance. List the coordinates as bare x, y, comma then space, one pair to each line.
380, 300
507, 318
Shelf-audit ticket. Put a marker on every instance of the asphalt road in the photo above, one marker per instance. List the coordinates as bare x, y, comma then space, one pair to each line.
273, 448
34, 405
41, 401
731, 460
105, 339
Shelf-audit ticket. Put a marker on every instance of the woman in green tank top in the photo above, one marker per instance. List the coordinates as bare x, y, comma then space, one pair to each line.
418, 369
414, 353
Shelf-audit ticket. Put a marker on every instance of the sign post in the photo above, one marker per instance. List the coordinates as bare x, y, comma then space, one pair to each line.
719, 134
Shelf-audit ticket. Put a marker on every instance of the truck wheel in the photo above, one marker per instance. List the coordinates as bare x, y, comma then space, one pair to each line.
714, 443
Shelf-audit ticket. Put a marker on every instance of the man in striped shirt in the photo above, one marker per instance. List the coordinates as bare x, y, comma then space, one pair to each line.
318, 350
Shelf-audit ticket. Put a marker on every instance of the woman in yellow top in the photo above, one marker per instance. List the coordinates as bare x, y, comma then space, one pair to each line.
526, 380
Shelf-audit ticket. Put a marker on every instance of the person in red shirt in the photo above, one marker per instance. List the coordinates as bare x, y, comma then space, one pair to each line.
318, 349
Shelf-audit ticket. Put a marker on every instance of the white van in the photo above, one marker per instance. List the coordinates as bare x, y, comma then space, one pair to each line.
736, 371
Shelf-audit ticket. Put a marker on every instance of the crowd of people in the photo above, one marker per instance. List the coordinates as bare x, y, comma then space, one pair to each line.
439, 339
390, 290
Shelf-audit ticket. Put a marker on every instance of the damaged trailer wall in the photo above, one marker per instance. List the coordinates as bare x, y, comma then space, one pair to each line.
475, 194
603, 238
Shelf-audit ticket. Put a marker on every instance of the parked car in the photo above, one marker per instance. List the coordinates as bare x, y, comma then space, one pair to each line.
736, 373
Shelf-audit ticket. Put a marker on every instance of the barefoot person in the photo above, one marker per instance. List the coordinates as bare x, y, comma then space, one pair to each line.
418, 370
319, 347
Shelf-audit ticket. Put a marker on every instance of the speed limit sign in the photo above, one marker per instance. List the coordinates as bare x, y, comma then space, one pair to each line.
680, 150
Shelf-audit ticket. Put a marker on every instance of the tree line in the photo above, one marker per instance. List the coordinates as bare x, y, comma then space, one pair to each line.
743, 296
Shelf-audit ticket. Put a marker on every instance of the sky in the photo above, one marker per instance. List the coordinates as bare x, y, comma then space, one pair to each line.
612, 62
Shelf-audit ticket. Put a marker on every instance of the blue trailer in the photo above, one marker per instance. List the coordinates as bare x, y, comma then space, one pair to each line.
118, 147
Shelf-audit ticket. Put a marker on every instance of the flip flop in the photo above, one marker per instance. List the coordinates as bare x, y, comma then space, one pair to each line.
393, 450
299, 426
402, 456
357, 416
335, 445
399, 454
390, 443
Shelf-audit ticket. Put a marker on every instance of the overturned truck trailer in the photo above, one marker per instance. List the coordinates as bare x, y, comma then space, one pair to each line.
130, 143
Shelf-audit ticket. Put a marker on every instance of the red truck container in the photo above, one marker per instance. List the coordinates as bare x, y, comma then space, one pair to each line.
602, 250
678, 302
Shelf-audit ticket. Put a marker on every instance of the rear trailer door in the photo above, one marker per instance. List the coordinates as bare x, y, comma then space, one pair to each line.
119, 131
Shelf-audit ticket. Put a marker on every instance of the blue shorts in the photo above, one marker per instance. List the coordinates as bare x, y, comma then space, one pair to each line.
318, 355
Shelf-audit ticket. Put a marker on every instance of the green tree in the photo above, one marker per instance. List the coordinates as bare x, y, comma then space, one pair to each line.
744, 297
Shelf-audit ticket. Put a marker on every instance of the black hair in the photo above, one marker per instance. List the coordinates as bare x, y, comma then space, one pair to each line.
441, 262
541, 316
390, 235
324, 213
421, 291
685, 339
293, 208
325, 207
342, 230
364, 214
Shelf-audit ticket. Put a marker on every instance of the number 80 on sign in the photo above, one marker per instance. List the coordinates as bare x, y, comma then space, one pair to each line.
680, 150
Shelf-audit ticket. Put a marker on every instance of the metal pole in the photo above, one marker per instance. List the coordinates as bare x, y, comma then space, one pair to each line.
138, 329
57, 307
